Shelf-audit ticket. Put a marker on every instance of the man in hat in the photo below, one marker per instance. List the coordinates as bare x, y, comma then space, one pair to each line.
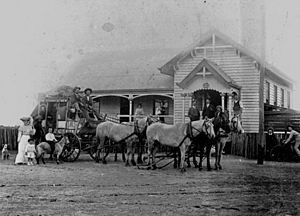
194, 113
87, 99
76, 100
88, 103
209, 110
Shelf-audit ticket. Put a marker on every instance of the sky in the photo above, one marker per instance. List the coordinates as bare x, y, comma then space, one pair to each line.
41, 40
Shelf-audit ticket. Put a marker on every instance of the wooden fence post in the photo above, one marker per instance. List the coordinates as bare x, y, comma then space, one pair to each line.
261, 143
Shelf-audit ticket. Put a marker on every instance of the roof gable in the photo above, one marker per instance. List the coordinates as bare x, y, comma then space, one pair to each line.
170, 67
213, 68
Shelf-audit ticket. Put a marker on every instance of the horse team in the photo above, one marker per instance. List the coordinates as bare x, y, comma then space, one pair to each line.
199, 134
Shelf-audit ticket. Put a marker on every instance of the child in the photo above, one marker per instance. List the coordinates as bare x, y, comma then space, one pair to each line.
30, 151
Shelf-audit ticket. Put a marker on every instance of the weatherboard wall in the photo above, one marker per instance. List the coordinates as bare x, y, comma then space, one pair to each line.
241, 68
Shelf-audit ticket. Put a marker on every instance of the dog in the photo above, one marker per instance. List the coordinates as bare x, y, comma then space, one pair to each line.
5, 153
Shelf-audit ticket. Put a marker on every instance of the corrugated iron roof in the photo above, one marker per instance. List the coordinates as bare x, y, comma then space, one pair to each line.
121, 70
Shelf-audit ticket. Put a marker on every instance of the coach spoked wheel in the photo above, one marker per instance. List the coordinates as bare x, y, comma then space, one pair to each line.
276, 153
92, 149
71, 149
101, 151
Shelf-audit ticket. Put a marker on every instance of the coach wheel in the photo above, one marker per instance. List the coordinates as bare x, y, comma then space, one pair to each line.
72, 149
93, 148
101, 152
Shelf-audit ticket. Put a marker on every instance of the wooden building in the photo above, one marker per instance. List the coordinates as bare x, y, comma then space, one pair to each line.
213, 67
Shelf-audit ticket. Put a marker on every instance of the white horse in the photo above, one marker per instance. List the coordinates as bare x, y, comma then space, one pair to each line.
44, 147
178, 135
117, 133
236, 124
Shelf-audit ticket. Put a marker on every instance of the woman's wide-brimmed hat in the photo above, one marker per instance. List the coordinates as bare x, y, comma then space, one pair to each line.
75, 88
25, 118
88, 89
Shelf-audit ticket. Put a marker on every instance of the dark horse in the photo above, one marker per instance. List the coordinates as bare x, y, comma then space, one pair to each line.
204, 143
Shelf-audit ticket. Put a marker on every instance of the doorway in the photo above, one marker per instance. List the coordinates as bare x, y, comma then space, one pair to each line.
201, 95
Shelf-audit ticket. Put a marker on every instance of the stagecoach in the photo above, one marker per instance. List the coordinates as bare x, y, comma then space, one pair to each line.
55, 112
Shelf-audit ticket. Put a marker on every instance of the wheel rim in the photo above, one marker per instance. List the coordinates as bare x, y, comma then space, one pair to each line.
71, 149
93, 148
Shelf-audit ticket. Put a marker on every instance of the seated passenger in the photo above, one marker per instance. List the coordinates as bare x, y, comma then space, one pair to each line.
50, 138
88, 104
75, 100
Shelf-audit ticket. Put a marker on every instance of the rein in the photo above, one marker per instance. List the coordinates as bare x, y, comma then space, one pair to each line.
136, 131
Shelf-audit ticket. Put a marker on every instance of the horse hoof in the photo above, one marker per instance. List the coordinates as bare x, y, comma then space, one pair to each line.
133, 163
183, 170
200, 168
189, 166
209, 169
104, 162
220, 167
127, 164
216, 168
154, 167
195, 165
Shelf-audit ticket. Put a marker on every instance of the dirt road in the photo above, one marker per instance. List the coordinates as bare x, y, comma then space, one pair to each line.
87, 188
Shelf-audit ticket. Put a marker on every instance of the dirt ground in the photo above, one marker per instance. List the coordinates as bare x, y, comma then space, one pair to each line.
87, 188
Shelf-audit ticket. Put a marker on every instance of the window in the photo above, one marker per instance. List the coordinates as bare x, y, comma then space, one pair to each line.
275, 95
164, 107
282, 97
288, 99
267, 92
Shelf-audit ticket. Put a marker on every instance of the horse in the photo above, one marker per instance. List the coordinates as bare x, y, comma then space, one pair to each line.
44, 147
236, 125
177, 135
119, 133
222, 129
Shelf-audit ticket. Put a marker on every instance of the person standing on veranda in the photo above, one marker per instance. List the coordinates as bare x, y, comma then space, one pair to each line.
194, 113
24, 134
139, 112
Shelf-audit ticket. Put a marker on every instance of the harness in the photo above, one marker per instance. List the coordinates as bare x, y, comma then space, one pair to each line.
136, 131
189, 132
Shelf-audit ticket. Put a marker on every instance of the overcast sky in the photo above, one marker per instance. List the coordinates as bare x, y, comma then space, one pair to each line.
42, 39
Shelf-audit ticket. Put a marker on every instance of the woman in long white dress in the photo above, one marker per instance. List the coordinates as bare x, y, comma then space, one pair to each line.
24, 134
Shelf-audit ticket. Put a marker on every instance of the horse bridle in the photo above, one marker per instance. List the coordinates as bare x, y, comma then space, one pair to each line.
206, 127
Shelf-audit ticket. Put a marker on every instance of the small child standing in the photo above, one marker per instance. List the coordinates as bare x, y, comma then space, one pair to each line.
30, 151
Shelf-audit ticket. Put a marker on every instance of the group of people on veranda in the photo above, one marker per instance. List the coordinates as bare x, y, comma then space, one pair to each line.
159, 111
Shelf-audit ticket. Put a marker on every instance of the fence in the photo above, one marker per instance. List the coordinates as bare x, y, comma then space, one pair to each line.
279, 119
9, 135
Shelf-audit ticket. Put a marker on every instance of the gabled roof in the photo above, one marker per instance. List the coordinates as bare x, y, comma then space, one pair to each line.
169, 69
212, 67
